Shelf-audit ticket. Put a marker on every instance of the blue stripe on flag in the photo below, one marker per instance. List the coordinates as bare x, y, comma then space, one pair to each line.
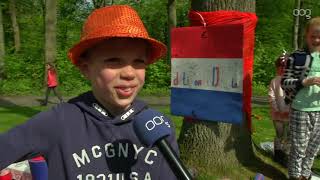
207, 105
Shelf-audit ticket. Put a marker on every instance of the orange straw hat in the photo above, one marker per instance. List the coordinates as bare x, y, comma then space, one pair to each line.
114, 21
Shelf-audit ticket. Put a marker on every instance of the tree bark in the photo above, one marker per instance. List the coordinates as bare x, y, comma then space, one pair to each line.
50, 31
15, 25
296, 26
211, 146
2, 46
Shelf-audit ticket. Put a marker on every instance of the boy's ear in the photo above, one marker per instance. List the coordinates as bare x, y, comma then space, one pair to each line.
84, 68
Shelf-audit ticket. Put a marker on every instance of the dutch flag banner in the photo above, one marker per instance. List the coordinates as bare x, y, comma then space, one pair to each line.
207, 73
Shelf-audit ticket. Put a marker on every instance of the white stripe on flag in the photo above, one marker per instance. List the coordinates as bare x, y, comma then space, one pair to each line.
216, 74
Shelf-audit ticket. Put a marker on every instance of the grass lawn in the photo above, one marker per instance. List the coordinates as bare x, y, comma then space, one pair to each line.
15, 115
263, 131
12, 116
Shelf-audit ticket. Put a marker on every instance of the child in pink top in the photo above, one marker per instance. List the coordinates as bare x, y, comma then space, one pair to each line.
279, 112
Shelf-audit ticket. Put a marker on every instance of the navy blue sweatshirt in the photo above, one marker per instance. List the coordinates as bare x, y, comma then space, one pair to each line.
80, 140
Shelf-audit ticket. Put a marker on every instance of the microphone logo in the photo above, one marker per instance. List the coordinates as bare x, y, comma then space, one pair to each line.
156, 121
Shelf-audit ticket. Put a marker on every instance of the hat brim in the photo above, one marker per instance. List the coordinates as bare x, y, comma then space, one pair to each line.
157, 49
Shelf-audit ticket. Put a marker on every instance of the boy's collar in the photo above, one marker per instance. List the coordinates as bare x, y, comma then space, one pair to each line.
88, 103
100, 109
135, 107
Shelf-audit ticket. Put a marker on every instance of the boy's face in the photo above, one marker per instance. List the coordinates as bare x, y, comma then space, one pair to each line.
313, 38
116, 69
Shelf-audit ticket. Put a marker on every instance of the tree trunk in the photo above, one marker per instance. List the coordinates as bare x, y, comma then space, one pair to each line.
50, 31
43, 8
302, 22
172, 15
15, 26
172, 21
211, 146
296, 26
2, 47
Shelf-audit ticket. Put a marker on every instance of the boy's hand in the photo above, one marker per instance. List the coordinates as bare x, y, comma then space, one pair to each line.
311, 81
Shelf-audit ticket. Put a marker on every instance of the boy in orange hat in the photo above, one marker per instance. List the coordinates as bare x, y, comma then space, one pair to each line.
92, 136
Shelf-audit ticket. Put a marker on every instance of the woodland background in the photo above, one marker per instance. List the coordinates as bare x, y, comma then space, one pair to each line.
33, 32
23, 51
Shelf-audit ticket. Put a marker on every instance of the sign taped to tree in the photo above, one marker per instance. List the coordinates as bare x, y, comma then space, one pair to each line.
207, 72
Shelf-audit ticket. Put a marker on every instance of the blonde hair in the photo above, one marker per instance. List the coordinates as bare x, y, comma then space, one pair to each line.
312, 22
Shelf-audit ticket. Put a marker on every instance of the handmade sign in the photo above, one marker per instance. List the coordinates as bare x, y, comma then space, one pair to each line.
207, 72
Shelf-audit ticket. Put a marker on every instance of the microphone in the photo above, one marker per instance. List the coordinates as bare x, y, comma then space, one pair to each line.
152, 128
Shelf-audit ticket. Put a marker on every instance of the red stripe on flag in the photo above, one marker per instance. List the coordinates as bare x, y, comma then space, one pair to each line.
207, 42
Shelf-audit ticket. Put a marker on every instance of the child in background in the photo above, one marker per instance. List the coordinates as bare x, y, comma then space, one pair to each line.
279, 112
52, 83
92, 136
301, 82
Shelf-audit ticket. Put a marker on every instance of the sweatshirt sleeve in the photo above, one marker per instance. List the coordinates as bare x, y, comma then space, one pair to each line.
27, 140
289, 80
